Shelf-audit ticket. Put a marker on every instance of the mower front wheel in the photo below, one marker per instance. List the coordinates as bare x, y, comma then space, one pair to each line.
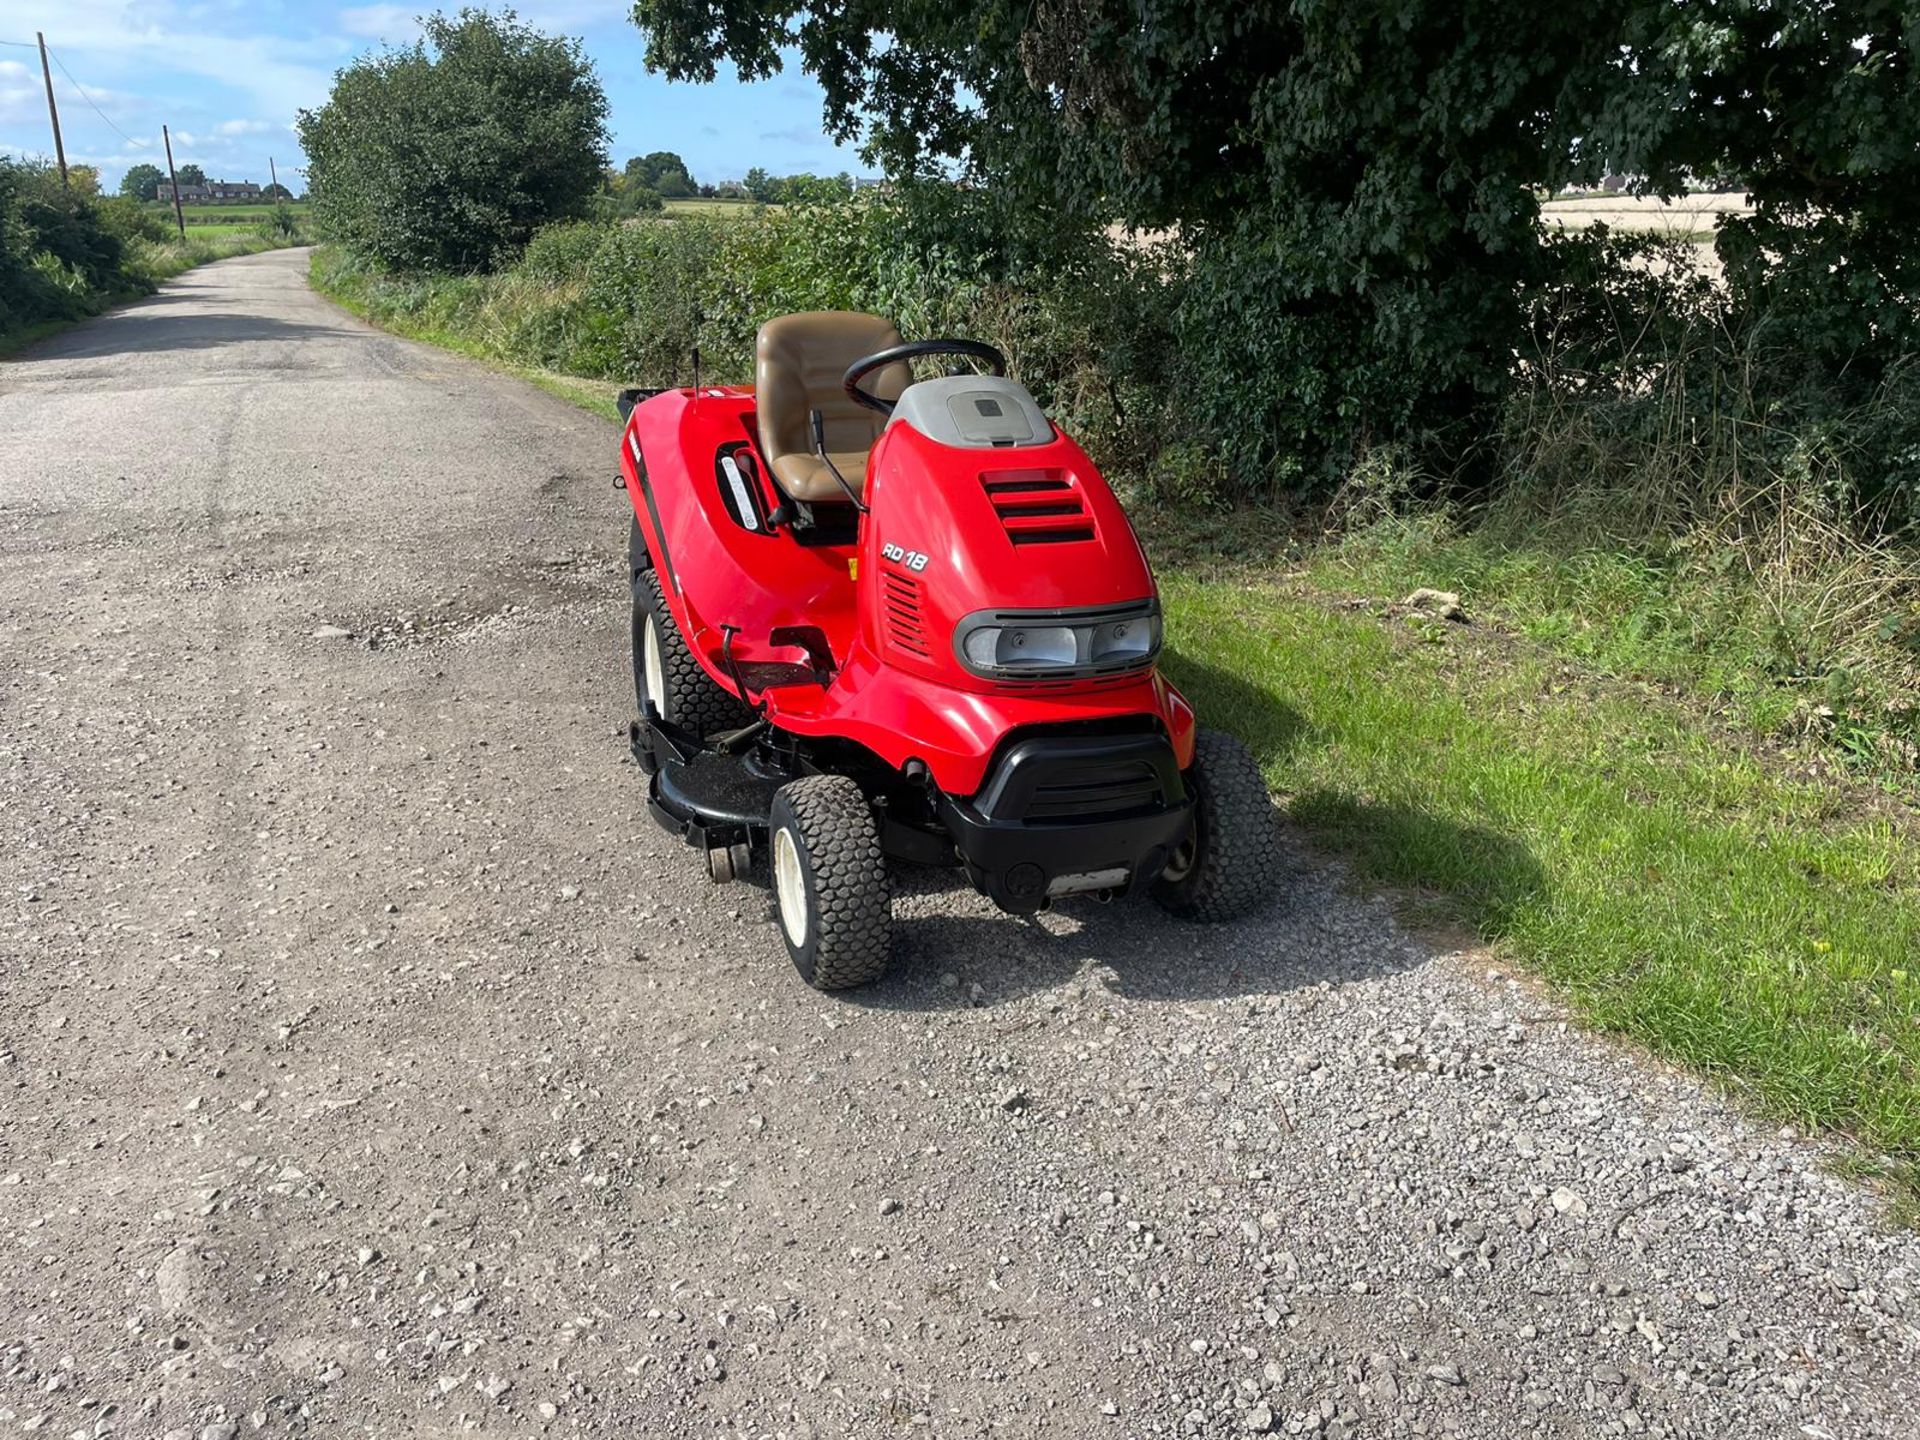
1230, 863
830, 882
666, 672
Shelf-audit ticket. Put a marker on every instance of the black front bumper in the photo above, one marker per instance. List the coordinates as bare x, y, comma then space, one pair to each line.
1066, 814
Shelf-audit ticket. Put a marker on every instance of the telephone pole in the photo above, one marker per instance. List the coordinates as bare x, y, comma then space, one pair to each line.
179, 216
273, 175
53, 111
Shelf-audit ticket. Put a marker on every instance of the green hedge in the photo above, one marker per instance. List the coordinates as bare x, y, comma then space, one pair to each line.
1176, 367
1083, 321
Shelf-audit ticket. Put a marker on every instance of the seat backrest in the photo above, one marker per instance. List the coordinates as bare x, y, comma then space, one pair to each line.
800, 361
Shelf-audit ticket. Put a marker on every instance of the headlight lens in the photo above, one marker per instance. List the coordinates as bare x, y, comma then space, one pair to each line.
1059, 644
1121, 640
1023, 647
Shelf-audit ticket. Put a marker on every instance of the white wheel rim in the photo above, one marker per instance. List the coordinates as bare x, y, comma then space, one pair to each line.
654, 670
790, 888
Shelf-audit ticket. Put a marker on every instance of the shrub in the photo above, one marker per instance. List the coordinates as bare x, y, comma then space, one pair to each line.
450, 153
59, 256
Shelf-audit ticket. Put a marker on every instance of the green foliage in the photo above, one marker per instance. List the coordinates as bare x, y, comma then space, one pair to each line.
141, 181
1353, 179
450, 153
1353, 185
281, 224
134, 222
65, 255
1081, 318
801, 189
664, 173
190, 175
58, 256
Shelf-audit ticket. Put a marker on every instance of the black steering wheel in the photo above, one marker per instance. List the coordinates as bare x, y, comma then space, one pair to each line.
913, 350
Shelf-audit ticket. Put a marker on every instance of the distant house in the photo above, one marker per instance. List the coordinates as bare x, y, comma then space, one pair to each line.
214, 192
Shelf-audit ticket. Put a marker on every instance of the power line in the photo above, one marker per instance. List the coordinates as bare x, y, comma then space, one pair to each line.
89, 99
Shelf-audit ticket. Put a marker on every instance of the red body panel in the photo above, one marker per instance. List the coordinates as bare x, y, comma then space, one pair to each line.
938, 545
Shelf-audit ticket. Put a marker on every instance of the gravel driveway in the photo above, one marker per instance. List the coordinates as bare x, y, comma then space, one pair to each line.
372, 1066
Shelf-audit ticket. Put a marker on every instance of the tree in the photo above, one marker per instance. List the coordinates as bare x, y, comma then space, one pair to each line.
663, 172
1356, 181
141, 181
190, 174
275, 192
759, 185
1816, 110
1354, 178
449, 153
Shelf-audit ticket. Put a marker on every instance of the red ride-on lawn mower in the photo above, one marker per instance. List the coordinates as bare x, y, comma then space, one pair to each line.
878, 620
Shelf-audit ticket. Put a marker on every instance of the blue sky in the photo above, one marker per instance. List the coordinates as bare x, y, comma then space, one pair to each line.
229, 75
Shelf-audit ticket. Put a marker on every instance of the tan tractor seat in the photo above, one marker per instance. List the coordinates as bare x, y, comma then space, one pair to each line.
800, 362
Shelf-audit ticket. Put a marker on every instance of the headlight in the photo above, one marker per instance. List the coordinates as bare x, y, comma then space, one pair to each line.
1022, 647
1058, 644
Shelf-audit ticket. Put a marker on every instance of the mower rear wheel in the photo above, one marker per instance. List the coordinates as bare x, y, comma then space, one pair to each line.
830, 882
666, 672
1230, 864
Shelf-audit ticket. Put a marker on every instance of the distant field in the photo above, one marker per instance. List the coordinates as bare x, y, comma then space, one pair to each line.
228, 214
704, 207
1690, 217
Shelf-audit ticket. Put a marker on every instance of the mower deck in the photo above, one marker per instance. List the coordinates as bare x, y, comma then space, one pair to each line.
1059, 815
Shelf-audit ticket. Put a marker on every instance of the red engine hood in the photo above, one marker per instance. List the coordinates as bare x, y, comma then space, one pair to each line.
954, 531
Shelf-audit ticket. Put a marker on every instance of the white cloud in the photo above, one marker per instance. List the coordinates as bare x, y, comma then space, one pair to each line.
102, 38
243, 127
380, 22
20, 97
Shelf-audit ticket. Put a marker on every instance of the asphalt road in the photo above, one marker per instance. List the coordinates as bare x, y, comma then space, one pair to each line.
372, 1066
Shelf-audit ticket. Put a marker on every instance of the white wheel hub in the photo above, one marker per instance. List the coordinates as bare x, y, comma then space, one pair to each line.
790, 887
1180, 863
653, 670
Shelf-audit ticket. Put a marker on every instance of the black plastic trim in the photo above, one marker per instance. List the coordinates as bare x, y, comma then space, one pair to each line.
1070, 805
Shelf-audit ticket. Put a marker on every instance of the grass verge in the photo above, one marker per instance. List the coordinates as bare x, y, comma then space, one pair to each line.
1679, 886
1801, 633
348, 287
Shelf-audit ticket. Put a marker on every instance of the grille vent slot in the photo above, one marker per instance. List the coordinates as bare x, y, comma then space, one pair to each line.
900, 596
1038, 507
1129, 788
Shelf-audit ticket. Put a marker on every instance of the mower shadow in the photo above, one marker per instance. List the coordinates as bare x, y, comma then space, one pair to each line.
953, 950
1309, 935
1320, 928
1225, 700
